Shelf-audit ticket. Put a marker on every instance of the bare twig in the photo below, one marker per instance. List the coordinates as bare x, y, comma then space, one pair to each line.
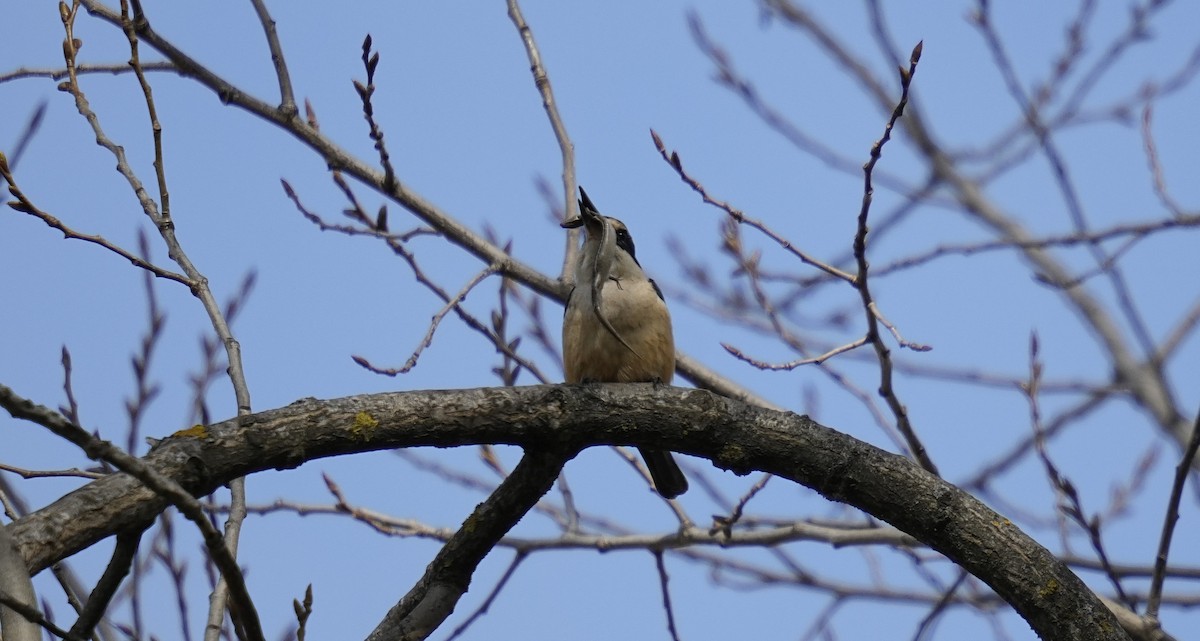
1169, 521
1071, 505
789, 365
676, 163
118, 566
724, 524
508, 370
396, 242
829, 45
663, 580
71, 411
1066, 186
860, 281
749, 265
167, 488
27, 614
115, 68
287, 101
820, 627
31, 129
147, 391
303, 611
685, 539
1155, 163
925, 628
1178, 333
1135, 230
365, 92
164, 551
729, 76
41, 474
25, 205
366, 225
491, 597
160, 215
542, 80
452, 304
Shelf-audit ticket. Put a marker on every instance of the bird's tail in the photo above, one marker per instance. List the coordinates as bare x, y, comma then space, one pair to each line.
669, 480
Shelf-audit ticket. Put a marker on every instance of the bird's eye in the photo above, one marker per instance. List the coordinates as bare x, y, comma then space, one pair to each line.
622, 234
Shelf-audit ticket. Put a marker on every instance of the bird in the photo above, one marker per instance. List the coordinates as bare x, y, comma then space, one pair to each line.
616, 327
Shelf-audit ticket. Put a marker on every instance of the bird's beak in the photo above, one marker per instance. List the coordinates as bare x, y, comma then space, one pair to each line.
588, 214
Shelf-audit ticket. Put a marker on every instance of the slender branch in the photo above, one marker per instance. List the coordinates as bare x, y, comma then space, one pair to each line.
396, 242
1169, 521
335, 156
860, 282
25, 205
722, 534
663, 580
41, 474
135, 62
729, 76
1147, 385
542, 80
58, 73
790, 365
1178, 333
124, 553
29, 615
835, 49
491, 597
1155, 163
452, 304
925, 628
676, 163
1066, 186
365, 92
1136, 230
71, 410
1070, 503
27, 134
164, 486
287, 100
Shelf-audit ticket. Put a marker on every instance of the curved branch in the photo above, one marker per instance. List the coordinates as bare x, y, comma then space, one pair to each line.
735, 436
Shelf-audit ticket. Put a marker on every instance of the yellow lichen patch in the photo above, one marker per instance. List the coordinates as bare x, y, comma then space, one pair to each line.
195, 431
364, 425
1049, 589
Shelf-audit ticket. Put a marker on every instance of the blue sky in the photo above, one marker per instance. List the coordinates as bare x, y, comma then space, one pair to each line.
466, 130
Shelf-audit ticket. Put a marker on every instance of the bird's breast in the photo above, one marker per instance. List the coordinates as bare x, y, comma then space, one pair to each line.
633, 308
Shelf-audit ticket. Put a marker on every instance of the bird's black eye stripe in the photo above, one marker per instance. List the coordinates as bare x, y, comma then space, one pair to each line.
625, 241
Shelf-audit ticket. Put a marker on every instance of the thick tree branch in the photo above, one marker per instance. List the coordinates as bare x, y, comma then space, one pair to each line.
735, 436
446, 579
15, 585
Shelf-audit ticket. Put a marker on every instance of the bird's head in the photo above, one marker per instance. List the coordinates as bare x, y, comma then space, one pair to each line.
592, 220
